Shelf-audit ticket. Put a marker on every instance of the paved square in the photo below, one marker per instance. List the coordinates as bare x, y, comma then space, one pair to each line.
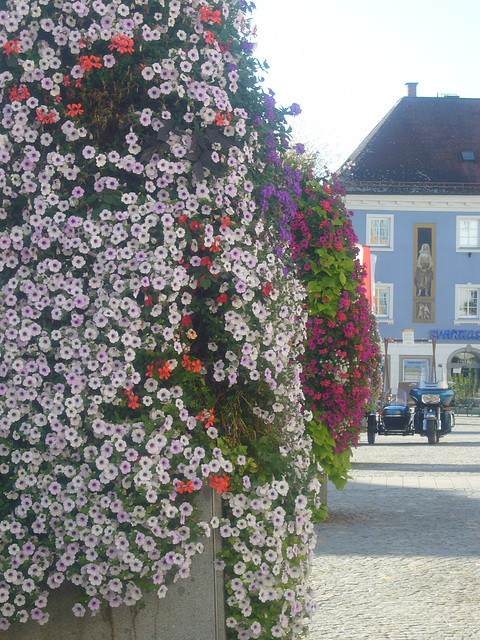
399, 557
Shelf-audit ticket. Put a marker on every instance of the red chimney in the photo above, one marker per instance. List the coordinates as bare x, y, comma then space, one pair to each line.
412, 89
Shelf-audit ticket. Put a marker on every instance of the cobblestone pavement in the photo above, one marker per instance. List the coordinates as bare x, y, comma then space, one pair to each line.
399, 557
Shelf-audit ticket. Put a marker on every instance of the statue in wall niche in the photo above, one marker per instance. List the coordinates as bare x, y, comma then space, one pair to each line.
424, 272
423, 311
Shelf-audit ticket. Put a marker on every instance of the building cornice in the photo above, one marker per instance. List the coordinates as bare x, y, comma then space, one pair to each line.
412, 202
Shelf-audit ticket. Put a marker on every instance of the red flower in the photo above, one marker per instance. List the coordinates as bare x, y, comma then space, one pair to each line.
133, 402
186, 320
12, 46
74, 110
266, 289
196, 366
215, 245
226, 222
89, 62
18, 93
222, 298
164, 371
202, 417
121, 43
210, 420
213, 16
209, 37
222, 119
46, 117
181, 487
204, 11
220, 483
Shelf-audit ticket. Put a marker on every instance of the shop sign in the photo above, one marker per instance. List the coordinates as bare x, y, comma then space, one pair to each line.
454, 334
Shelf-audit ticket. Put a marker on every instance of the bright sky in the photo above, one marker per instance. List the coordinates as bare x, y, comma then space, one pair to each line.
346, 62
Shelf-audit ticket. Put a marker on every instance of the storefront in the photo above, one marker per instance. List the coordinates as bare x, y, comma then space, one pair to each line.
407, 362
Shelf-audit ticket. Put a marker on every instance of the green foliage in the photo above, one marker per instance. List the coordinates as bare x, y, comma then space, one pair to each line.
334, 463
465, 387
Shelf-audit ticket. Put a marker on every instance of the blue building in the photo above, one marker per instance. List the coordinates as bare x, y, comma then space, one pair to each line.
414, 188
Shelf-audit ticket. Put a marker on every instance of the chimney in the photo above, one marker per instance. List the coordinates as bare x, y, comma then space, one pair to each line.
412, 89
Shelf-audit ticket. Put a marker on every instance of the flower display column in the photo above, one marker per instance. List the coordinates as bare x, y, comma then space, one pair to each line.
342, 363
150, 331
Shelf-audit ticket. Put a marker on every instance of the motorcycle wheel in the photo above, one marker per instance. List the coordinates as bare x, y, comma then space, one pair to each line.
371, 436
432, 434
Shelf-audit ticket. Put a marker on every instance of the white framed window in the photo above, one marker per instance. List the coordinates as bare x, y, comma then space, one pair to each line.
468, 233
415, 369
467, 298
380, 232
384, 302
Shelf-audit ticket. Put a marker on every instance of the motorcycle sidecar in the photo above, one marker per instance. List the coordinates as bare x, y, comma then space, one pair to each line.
393, 419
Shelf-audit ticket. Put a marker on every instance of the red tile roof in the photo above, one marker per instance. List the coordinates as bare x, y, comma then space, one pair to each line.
418, 147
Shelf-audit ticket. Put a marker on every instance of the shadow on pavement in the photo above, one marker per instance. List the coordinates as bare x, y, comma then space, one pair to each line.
400, 521
443, 443
389, 441
405, 466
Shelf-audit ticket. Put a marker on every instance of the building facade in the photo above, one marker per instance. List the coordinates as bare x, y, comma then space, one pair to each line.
414, 188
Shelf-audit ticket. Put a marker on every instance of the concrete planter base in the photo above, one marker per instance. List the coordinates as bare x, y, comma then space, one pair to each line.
193, 608
323, 488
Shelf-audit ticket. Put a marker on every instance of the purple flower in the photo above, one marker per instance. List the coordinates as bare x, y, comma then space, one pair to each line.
125, 467
299, 148
37, 614
295, 109
94, 604
78, 610
247, 46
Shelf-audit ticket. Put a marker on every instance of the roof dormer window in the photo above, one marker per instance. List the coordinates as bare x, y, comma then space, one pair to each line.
468, 156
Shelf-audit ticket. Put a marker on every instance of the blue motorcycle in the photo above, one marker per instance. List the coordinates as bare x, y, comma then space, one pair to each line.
431, 415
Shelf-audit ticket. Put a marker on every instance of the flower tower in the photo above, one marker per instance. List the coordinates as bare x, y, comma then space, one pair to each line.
342, 363
149, 330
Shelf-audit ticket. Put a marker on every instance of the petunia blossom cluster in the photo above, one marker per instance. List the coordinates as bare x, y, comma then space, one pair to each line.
341, 364
150, 332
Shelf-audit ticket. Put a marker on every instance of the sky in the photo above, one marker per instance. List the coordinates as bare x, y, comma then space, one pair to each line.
346, 62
